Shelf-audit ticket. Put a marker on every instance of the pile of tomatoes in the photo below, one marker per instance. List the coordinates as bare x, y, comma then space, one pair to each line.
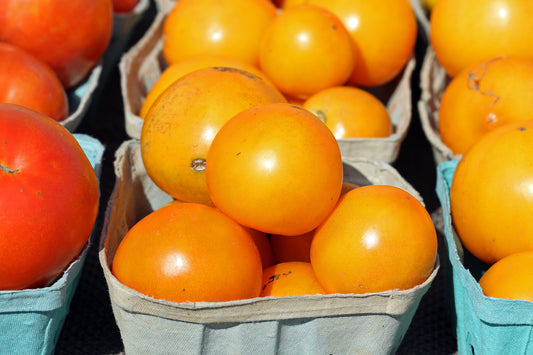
485, 116
261, 208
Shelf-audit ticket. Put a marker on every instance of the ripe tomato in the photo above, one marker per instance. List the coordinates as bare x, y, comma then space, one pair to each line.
485, 96
306, 49
491, 196
275, 168
350, 112
71, 36
182, 122
384, 33
28, 81
262, 242
292, 248
230, 29
510, 277
290, 279
463, 33
48, 198
186, 66
189, 252
356, 249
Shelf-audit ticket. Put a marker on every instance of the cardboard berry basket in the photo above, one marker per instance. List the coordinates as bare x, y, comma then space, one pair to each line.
31, 320
373, 323
143, 63
484, 325
433, 82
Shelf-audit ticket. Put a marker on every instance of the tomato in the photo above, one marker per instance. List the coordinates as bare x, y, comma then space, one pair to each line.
175, 71
231, 29
377, 238
182, 122
189, 252
124, 6
27, 81
510, 277
290, 279
463, 33
350, 112
275, 168
306, 49
491, 196
384, 33
71, 36
48, 198
483, 97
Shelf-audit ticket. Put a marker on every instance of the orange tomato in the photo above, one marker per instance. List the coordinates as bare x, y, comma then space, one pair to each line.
356, 249
306, 49
510, 277
292, 248
491, 197
384, 33
350, 112
463, 33
230, 29
290, 279
485, 96
262, 242
188, 252
186, 66
275, 168
182, 122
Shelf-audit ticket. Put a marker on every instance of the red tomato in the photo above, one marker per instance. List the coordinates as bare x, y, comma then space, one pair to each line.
26, 80
48, 198
71, 36
124, 6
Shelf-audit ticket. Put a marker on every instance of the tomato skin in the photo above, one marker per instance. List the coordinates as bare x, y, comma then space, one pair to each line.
231, 29
71, 36
275, 168
26, 80
491, 197
184, 119
483, 97
306, 49
510, 277
378, 238
384, 33
48, 198
463, 33
189, 252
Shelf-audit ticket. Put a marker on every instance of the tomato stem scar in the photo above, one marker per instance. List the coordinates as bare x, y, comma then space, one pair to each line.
7, 170
198, 164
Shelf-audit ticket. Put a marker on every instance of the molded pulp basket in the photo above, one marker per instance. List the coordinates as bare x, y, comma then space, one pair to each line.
484, 325
31, 320
373, 323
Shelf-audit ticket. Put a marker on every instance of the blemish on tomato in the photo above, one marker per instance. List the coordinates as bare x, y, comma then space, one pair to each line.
7, 170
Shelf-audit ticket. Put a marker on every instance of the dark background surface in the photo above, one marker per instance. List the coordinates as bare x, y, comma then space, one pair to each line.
90, 327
